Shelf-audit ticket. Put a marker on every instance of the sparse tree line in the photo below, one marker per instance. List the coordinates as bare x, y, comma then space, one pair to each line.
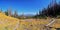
9, 13
15, 14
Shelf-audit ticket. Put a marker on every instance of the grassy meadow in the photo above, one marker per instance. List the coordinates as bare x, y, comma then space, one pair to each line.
10, 23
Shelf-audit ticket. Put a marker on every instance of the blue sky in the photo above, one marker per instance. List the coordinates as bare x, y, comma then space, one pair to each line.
24, 6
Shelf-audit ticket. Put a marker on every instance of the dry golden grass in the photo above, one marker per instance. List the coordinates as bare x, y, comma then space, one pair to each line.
7, 22
10, 23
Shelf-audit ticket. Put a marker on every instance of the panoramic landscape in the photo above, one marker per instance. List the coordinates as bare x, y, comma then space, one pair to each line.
29, 14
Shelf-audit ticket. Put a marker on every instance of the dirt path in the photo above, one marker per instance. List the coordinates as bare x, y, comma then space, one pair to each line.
17, 25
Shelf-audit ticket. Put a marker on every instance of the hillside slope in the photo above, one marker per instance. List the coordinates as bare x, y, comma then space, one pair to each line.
7, 22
